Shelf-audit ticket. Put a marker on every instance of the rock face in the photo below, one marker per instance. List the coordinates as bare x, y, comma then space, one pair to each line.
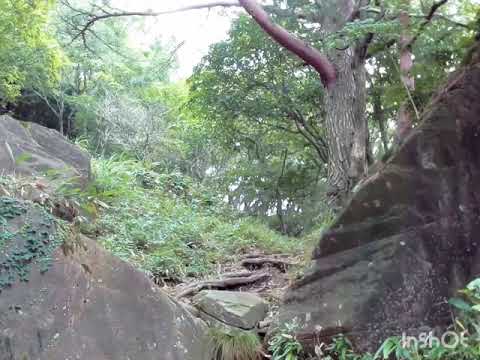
408, 239
31, 149
238, 309
88, 305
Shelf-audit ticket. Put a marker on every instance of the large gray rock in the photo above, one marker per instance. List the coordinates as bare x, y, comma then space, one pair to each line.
31, 149
408, 239
88, 305
238, 309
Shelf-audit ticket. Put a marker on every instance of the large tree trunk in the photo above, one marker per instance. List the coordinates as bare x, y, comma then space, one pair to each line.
346, 125
345, 105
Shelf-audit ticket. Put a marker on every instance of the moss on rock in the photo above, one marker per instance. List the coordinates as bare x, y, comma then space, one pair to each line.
28, 237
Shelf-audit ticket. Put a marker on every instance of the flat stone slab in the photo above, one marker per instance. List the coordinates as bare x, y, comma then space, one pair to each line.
239, 309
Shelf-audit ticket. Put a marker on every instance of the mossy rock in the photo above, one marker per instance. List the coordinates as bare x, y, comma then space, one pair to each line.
28, 237
63, 297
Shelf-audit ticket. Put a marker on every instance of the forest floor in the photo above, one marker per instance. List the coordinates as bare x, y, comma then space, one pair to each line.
267, 275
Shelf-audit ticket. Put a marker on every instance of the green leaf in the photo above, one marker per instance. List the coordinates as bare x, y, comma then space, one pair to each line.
460, 304
474, 285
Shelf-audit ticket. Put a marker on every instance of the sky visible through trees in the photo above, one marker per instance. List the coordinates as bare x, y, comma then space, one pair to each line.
198, 29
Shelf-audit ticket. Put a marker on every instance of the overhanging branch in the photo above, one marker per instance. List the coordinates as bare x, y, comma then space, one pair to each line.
307, 53
428, 19
289, 41
106, 14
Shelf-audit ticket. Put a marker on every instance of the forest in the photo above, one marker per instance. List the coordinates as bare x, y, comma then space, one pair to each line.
248, 175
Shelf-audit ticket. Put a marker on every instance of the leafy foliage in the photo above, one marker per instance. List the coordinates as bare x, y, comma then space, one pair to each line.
27, 50
284, 345
262, 108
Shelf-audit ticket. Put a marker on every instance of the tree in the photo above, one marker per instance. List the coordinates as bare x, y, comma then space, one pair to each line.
90, 78
254, 109
57, 99
352, 23
27, 50
248, 85
130, 125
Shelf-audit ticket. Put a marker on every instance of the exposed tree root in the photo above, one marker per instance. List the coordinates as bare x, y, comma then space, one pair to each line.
237, 274
225, 283
258, 262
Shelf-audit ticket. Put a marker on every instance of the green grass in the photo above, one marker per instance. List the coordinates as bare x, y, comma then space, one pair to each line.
169, 225
234, 344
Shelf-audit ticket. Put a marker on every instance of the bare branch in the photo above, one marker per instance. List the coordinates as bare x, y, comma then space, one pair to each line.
321, 151
295, 45
93, 18
45, 99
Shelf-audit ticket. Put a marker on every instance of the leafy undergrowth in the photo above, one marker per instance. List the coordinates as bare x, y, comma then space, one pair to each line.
168, 225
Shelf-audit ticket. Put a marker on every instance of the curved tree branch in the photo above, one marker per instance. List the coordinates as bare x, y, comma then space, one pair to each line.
307, 53
428, 19
289, 41
105, 14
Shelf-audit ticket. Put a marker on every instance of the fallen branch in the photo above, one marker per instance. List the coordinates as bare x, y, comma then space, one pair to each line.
221, 284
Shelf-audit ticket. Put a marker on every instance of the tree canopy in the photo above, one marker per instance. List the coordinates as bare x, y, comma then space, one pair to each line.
28, 51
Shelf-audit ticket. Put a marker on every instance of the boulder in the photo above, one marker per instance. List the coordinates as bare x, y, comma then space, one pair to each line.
63, 297
408, 238
238, 309
31, 149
